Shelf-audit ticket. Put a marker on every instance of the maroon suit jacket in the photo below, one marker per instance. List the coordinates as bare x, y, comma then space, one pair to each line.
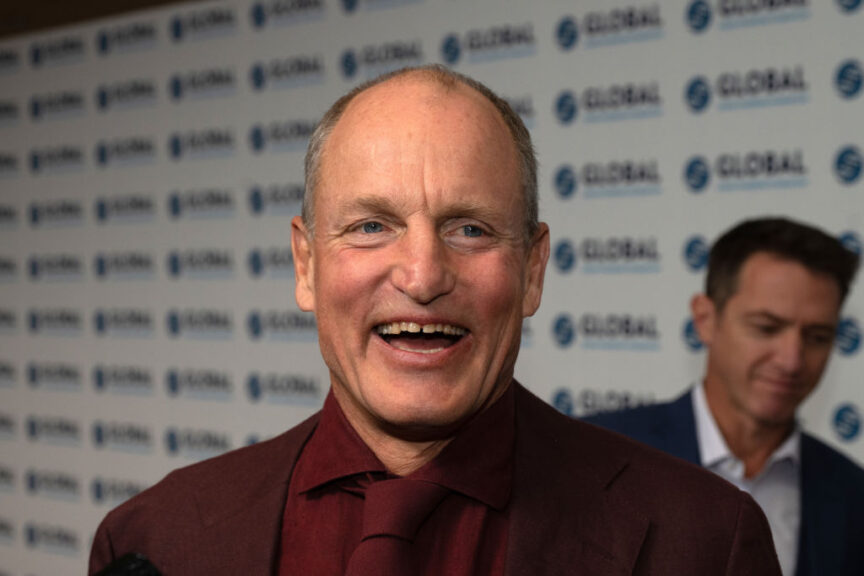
585, 501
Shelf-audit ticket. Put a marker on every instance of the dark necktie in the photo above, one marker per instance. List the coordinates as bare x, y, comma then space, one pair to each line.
393, 512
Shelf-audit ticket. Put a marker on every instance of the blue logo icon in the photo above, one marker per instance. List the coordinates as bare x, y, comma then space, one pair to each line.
256, 200
253, 385
103, 42
173, 323
851, 242
176, 87
257, 140
172, 442
565, 256
172, 383
174, 205
563, 401
256, 263
34, 268
847, 422
696, 252
35, 108
33, 375
847, 164
697, 174
102, 98
566, 107
565, 182
563, 330
101, 210
34, 322
98, 435
99, 379
258, 77
254, 325
258, 15
699, 15
849, 5
97, 490
34, 162
35, 56
567, 33
102, 154
698, 94
34, 215
691, 336
349, 5
450, 49
849, 78
176, 145
349, 64
174, 265
177, 29
848, 338
99, 322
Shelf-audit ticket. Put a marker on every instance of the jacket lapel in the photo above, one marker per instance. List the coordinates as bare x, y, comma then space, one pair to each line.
243, 537
565, 517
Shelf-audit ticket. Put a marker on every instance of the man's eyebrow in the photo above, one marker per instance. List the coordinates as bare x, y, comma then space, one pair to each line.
765, 315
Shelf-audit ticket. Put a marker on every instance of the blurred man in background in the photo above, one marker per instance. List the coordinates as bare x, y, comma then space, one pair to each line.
772, 302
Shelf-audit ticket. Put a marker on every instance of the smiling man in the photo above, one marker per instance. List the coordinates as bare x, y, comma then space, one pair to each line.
420, 253
768, 316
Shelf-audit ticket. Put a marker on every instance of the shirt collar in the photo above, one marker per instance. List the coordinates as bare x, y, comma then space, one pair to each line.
712, 446
477, 463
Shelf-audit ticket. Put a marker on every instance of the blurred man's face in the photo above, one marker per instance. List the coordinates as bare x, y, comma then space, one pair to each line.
418, 271
769, 345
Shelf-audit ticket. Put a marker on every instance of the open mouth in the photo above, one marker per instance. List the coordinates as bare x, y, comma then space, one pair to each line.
422, 338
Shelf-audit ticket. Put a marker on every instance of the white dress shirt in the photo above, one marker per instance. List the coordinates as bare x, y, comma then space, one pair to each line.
777, 489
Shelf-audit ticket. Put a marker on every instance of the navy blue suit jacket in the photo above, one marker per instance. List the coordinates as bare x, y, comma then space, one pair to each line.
832, 486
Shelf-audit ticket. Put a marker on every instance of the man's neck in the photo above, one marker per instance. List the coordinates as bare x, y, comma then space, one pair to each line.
750, 440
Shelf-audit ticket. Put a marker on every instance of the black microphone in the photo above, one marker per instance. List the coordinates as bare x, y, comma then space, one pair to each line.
132, 564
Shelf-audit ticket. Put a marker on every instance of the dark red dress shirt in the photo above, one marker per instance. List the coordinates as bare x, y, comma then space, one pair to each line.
465, 535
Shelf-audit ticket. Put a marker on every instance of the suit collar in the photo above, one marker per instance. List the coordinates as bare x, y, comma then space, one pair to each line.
565, 515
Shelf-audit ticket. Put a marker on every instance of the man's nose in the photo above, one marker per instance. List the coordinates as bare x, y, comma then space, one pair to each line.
423, 269
790, 351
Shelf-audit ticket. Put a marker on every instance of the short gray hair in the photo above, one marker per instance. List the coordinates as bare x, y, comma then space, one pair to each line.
448, 79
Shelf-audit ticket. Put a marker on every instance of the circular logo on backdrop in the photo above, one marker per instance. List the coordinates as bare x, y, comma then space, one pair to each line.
696, 250
698, 15
563, 330
565, 182
847, 164
849, 78
256, 263
256, 139
258, 77
177, 29
103, 42
698, 94
567, 34
847, 422
349, 64
254, 325
697, 174
450, 49
849, 5
563, 401
565, 256
253, 387
691, 336
258, 15
848, 338
256, 200
172, 442
851, 242
173, 324
349, 5
566, 108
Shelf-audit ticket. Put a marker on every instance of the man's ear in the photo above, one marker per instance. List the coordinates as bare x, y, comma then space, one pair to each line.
538, 256
304, 276
704, 317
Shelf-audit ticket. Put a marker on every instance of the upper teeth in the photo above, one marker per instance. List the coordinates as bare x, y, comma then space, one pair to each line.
415, 328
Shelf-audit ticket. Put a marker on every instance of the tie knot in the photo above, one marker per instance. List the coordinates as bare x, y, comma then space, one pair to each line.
399, 506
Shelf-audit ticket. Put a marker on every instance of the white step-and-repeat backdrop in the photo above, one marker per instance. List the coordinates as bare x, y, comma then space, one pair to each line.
149, 166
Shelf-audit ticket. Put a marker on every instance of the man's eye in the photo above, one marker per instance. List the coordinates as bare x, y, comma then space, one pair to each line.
472, 231
372, 227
